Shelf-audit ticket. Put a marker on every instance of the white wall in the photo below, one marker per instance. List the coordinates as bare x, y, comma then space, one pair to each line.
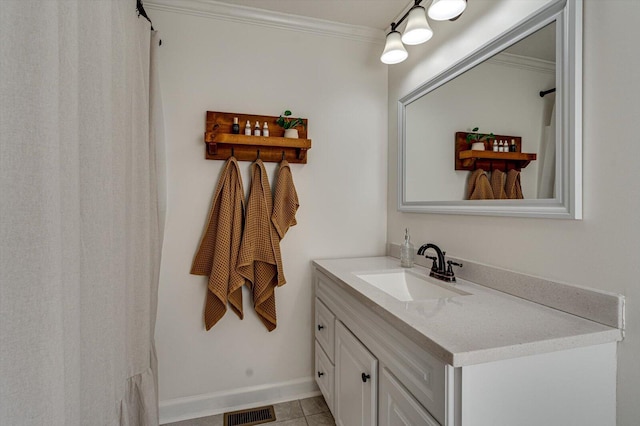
340, 86
603, 249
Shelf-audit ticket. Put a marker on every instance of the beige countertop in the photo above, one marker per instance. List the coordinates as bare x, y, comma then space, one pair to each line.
486, 325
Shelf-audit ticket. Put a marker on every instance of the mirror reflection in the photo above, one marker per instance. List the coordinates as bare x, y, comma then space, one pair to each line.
501, 95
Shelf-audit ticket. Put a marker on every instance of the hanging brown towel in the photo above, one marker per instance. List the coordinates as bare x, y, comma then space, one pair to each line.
285, 201
478, 187
512, 186
498, 178
259, 260
219, 246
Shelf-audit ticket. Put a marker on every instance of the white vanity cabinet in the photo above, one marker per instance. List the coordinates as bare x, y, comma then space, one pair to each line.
372, 373
354, 348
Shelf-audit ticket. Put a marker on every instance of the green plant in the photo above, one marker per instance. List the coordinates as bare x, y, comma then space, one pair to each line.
287, 122
474, 136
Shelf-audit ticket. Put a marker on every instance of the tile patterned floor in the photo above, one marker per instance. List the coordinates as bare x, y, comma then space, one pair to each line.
303, 412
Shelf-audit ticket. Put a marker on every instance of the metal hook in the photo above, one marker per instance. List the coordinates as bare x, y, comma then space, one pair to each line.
258, 155
233, 152
283, 155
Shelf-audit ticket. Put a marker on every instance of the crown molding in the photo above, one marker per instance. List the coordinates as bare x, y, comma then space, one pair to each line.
524, 62
266, 18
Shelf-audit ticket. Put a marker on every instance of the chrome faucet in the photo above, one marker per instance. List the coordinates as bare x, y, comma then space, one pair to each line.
438, 269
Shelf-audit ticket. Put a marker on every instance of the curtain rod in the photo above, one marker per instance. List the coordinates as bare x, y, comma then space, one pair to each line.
546, 92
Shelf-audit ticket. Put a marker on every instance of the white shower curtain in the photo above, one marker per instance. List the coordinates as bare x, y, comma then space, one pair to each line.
547, 159
80, 222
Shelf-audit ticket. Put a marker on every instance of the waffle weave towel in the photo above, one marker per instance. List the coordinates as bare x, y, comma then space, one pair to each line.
497, 184
478, 187
217, 254
285, 201
260, 260
512, 186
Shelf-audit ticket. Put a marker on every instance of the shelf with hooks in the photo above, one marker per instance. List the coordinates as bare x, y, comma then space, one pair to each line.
467, 159
221, 143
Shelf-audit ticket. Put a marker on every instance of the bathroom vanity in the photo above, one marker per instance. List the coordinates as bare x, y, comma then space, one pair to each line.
396, 347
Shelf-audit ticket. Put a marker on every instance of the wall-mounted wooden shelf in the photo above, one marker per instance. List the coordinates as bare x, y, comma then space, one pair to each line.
221, 143
466, 159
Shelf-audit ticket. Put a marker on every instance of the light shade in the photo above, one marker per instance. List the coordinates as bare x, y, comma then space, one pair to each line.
417, 30
441, 10
394, 51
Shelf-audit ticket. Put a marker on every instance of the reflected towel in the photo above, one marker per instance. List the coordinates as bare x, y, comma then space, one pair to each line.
219, 246
285, 201
498, 178
259, 260
479, 187
512, 186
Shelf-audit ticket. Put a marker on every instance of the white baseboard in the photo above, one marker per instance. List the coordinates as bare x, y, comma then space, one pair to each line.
178, 409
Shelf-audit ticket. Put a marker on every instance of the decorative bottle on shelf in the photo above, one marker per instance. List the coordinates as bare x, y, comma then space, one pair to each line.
495, 145
247, 129
512, 147
265, 130
501, 147
235, 129
256, 129
407, 251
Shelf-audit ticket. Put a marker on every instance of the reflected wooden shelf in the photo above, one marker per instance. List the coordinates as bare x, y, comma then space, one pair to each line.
467, 159
519, 160
221, 143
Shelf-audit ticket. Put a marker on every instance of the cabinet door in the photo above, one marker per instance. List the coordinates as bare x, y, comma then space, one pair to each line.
356, 381
398, 407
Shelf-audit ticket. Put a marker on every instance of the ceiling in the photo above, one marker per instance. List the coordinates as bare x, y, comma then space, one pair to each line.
369, 13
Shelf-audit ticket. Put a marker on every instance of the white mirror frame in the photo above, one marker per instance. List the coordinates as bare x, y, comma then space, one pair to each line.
568, 202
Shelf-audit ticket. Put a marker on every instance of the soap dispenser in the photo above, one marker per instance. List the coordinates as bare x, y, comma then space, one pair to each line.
407, 251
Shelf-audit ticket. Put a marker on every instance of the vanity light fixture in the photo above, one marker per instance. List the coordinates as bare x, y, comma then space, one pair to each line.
442, 10
417, 30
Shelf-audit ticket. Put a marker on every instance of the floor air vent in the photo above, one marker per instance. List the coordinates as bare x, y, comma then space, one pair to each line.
253, 416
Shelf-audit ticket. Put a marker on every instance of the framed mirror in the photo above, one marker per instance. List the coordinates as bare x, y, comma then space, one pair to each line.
524, 86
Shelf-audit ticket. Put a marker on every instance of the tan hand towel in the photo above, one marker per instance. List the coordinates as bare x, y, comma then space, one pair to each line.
285, 201
219, 247
512, 186
478, 186
498, 178
260, 261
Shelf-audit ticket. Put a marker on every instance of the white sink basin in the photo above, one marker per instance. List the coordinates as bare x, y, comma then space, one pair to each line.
407, 286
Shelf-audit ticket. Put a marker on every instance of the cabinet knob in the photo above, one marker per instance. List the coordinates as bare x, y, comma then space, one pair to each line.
320, 374
320, 327
365, 377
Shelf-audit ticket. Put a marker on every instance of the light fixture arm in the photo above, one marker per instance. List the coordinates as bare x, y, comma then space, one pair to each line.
417, 30
394, 25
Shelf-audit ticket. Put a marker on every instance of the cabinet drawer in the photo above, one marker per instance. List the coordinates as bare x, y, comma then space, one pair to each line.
325, 328
324, 375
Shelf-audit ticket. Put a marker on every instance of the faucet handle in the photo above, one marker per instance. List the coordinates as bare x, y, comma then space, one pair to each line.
434, 267
451, 263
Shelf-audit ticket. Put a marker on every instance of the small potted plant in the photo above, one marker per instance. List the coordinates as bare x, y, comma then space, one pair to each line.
477, 139
289, 124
